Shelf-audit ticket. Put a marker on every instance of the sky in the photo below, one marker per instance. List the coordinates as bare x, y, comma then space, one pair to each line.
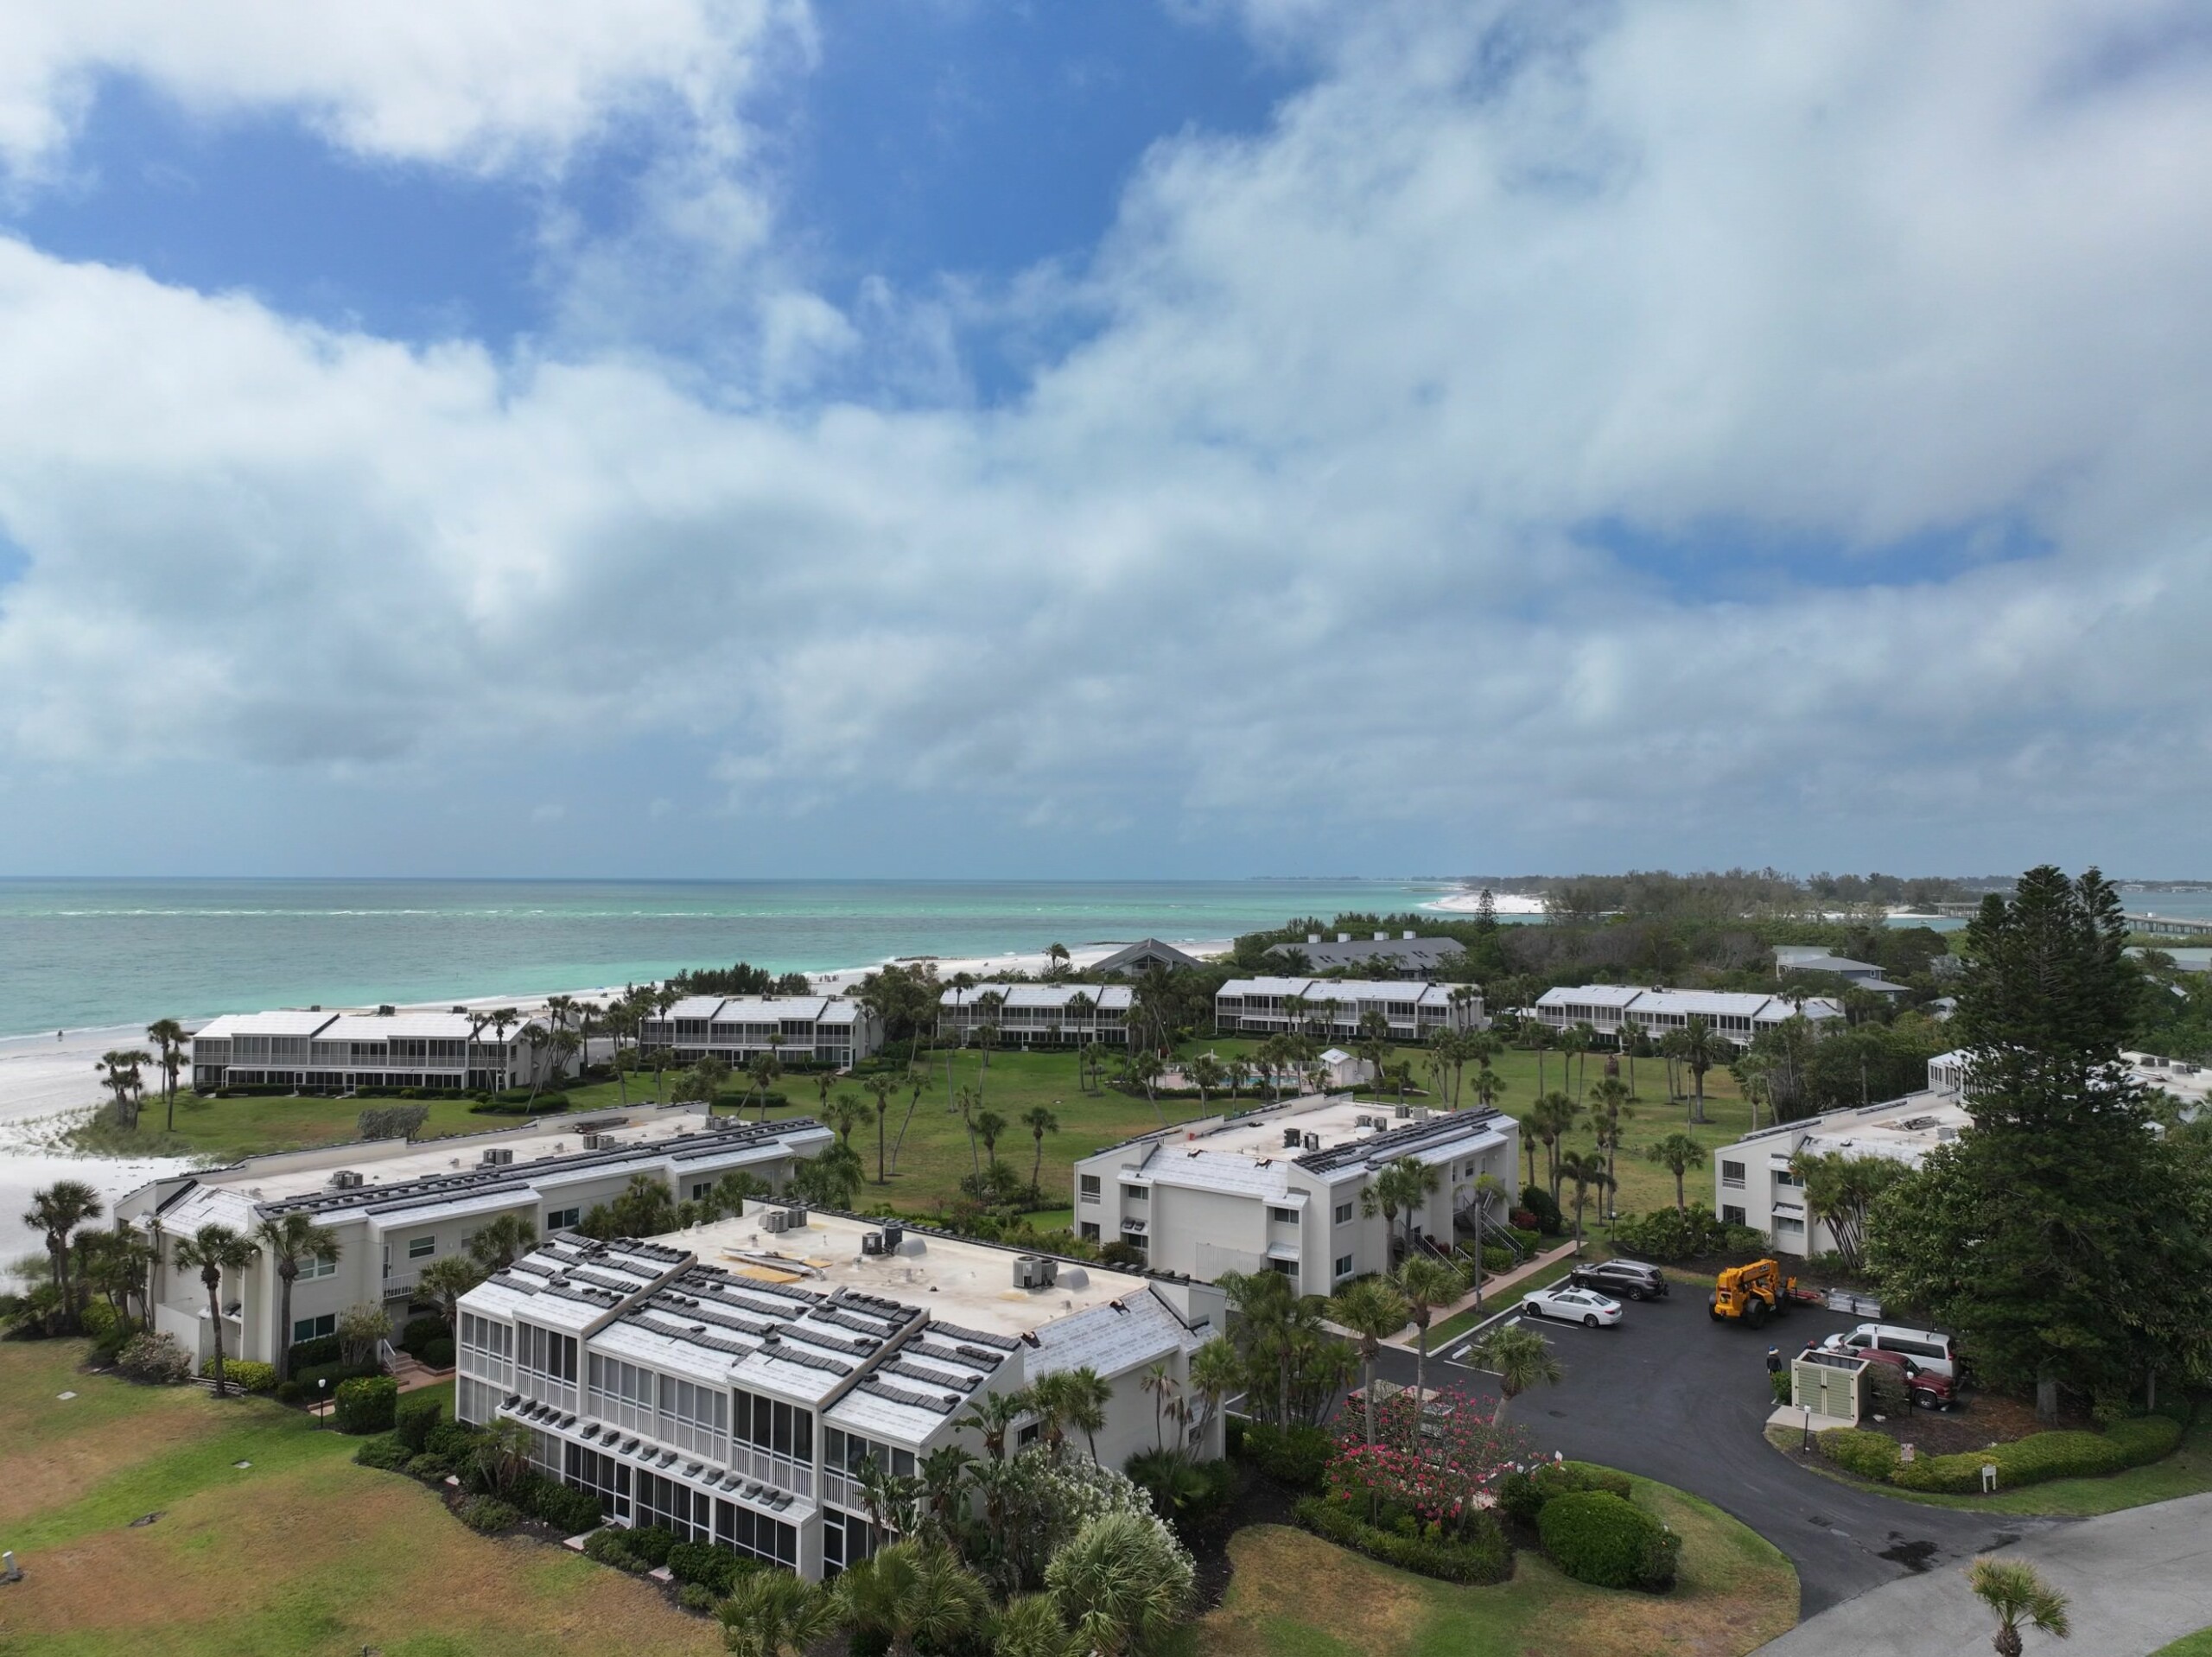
1111, 438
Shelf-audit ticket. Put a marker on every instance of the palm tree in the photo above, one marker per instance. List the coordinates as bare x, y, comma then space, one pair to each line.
846, 1114
1549, 1119
501, 1241
1407, 1185
57, 1212
1206, 1074
991, 1418
1678, 1153
775, 1613
1611, 1109
291, 1238
118, 1263
880, 1087
1572, 1045
1161, 1385
1083, 1402
1538, 1035
118, 1070
445, 1279
1520, 1358
212, 1251
502, 1019
1121, 1583
763, 1071
1584, 1170
1372, 1308
1427, 1282
1700, 1047
2017, 1595
1216, 1373
1039, 1120
1056, 960
168, 1038
913, 1597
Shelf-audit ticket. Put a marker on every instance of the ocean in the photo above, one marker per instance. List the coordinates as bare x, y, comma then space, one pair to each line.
75, 953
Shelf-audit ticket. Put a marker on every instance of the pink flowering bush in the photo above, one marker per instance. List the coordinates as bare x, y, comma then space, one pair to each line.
1432, 1474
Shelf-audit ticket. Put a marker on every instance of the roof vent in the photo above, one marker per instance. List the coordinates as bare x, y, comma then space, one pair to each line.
1313, 938
1407, 934
499, 1156
1312, 1141
1344, 937
346, 1179
1290, 1138
1383, 937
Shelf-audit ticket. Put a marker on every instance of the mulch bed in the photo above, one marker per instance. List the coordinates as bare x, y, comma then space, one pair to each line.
1259, 1500
1985, 1419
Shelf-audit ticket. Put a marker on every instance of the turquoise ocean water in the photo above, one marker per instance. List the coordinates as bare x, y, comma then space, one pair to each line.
79, 953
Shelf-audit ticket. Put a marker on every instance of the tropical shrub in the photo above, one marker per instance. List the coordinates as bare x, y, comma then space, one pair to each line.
1684, 1234
159, 1359
1599, 1538
1537, 1202
368, 1404
1496, 1257
697, 1597
653, 1544
413, 1421
436, 1355
704, 1565
1478, 1554
1778, 1384
420, 1331
569, 1510
488, 1514
1522, 1495
430, 1465
324, 1349
1296, 1455
1438, 1471
613, 1547
2044, 1456
244, 1373
97, 1319
1184, 1490
386, 1453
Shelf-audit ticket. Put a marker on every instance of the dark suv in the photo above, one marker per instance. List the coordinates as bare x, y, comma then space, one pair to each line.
1627, 1280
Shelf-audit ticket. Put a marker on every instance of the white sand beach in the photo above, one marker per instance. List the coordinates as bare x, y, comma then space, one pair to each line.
1502, 903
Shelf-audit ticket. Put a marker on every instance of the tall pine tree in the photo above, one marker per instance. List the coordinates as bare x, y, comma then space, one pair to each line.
2060, 1237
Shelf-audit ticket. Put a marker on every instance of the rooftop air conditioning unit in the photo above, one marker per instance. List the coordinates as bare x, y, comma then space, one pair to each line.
598, 1141
1312, 1141
386, 1011
873, 1243
1290, 1138
1406, 934
1313, 938
1380, 937
1344, 937
775, 1220
346, 1179
1032, 1272
1404, 1113
498, 1157
893, 1236
795, 1217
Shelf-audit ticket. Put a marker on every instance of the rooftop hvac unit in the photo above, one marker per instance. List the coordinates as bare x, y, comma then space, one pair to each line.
873, 1243
598, 1141
387, 1011
1290, 1138
1312, 1141
775, 1220
1032, 1272
1344, 937
795, 1217
893, 1236
1404, 1113
498, 1157
1407, 934
346, 1179
1382, 937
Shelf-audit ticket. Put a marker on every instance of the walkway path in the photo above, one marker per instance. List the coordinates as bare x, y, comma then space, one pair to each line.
1408, 1337
2137, 1579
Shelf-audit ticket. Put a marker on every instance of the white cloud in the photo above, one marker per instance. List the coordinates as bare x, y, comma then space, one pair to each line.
1293, 544
474, 83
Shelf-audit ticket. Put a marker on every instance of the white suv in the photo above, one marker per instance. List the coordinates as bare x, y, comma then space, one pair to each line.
1929, 1347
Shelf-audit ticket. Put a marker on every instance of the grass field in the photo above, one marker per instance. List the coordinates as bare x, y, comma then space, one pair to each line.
937, 1151
2187, 1472
1295, 1595
300, 1554
2189, 1645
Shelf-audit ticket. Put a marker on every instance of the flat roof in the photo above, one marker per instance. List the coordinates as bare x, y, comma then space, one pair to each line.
1247, 1153
279, 1021
1053, 995
1340, 989
1903, 1130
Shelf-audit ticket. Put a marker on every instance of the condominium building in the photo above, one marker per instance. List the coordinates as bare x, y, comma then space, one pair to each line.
1406, 952
1414, 1009
1739, 1016
395, 1205
321, 1051
730, 1383
1284, 1188
819, 1029
1031, 1015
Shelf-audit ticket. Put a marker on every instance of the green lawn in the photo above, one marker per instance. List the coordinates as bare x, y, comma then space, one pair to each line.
299, 1554
1295, 1595
937, 1151
2189, 1645
2187, 1472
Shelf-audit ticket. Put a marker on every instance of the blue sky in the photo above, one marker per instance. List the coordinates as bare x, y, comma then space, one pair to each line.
1200, 436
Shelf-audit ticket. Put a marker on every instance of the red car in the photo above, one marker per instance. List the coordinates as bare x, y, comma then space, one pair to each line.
1929, 1390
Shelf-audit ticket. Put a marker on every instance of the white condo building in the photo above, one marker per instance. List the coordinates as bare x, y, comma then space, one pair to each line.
729, 1383
1414, 1009
321, 1051
1738, 1015
1027, 1015
395, 1206
818, 1029
1281, 1188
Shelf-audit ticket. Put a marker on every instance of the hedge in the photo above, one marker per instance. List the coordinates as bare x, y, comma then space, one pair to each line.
436, 1355
387, 1453
1682, 1233
368, 1404
244, 1373
1522, 1496
487, 1514
2044, 1455
158, 1358
1485, 1557
1298, 1457
413, 1421
1607, 1540
716, 1569
324, 1349
567, 1509
1856, 1450
421, 1331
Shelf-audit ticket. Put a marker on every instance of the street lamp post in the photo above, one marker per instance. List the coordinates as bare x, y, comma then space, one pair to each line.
322, 1414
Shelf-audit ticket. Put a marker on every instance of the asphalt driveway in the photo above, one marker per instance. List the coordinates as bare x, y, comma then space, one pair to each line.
1676, 1397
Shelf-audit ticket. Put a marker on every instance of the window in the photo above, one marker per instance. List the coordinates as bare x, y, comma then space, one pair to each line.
1788, 1223
314, 1329
546, 1354
1783, 1177
779, 1428
1090, 1187
1091, 1231
695, 1417
1732, 1176
1283, 1216
1343, 1214
1288, 1268
1731, 1216
311, 1268
1344, 1266
1136, 1193
700, 1187
421, 1247
562, 1219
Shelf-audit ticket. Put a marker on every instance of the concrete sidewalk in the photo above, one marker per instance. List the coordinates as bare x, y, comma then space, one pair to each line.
2136, 1579
1503, 1284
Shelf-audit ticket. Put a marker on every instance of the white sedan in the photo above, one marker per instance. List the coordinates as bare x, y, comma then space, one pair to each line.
1584, 1306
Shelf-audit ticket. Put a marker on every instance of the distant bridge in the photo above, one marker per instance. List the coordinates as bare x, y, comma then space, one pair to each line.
2156, 926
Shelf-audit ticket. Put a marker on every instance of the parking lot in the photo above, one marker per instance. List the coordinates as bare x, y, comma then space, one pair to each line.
1673, 1395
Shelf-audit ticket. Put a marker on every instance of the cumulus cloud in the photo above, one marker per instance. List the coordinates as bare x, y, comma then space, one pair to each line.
1333, 514
479, 84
